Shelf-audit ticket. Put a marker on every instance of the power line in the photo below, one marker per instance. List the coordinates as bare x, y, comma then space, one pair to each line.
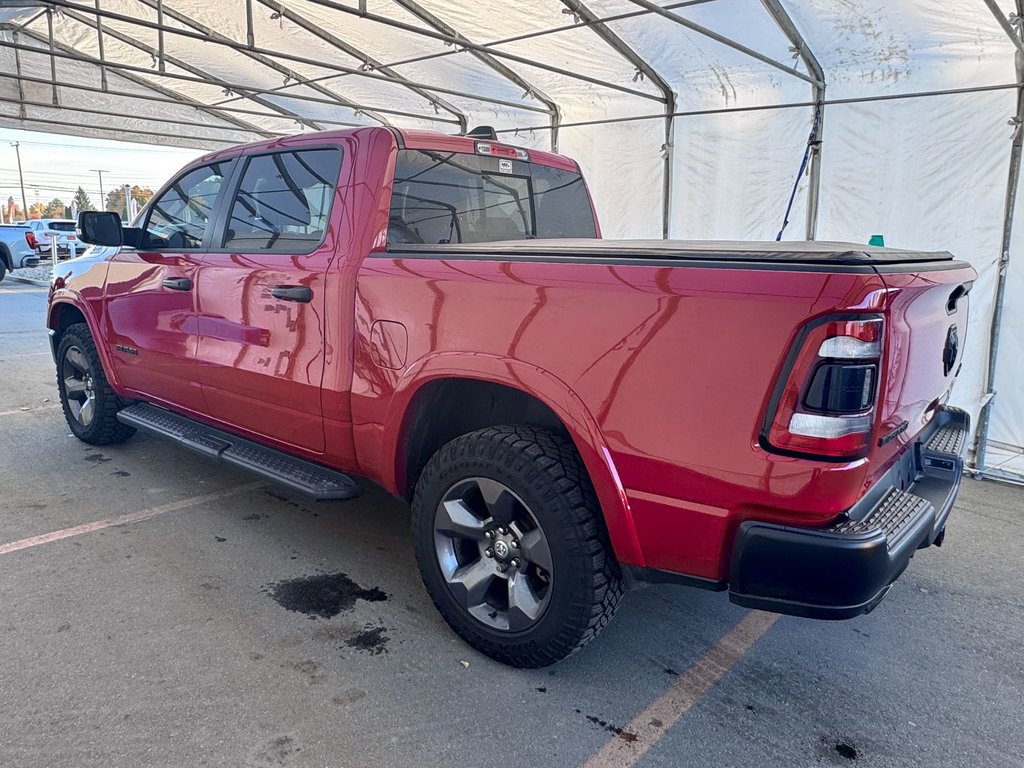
105, 148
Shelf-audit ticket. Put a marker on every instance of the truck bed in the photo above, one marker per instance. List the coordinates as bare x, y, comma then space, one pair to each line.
816, 253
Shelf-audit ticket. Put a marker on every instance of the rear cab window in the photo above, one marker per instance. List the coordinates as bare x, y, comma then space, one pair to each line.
448, 197
283, 202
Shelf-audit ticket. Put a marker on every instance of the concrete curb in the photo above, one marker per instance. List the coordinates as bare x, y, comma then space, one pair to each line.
27, 280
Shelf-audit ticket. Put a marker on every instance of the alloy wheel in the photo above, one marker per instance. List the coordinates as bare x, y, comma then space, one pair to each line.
493, 554
78, 386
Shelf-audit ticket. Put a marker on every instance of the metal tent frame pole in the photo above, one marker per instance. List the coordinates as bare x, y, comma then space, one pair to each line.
330, 99
456, 38
168, 96
728, 42
1013, 29
266, 61
331, 39
800, 47
580, 24
603, 31
184, 65
67, 52
161, 95
222, 41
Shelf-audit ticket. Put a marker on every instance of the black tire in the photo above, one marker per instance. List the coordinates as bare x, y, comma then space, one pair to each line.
102, 426
544, 472
3, 270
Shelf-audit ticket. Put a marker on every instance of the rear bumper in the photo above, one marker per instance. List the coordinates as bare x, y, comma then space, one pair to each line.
846, 569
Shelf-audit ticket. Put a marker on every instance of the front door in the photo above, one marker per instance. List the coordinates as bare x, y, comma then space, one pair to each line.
150, 299
262, 298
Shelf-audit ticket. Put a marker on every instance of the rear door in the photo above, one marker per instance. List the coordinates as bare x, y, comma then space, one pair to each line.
150, 291
262, 297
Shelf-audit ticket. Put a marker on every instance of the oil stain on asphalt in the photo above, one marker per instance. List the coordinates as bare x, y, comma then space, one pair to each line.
371, 639
323, 595
623, 734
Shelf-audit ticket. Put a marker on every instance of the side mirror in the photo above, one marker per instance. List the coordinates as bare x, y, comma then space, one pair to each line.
100, 228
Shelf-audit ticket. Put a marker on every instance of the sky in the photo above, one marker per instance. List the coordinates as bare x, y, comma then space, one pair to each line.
55, 165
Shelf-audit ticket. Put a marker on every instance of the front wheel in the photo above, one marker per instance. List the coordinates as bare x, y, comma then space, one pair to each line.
89, 402
510, 545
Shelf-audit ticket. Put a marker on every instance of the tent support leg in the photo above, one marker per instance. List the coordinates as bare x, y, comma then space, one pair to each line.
814, 172
99, 47
53, 59
250, 33
800, 48
582, 12
22, 113
1013, 178
160, 35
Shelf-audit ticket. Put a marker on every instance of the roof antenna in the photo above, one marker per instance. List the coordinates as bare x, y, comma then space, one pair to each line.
483, 132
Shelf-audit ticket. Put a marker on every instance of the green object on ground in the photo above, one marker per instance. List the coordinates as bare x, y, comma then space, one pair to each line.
877, 240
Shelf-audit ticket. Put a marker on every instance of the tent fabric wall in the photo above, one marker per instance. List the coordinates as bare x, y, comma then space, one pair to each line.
926, 172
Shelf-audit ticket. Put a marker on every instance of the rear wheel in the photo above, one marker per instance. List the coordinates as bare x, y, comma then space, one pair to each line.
90, 404
511, 547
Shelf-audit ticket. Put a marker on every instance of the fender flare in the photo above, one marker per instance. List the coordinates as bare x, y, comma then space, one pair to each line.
68, 298
548, 389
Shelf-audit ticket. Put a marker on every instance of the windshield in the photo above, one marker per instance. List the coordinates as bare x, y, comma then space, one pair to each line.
446, 197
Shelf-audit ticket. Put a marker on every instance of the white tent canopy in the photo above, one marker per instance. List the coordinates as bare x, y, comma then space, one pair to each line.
691, 119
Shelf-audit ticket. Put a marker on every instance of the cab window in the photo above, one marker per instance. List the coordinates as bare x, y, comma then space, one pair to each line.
448, 197
283, 202
180, 217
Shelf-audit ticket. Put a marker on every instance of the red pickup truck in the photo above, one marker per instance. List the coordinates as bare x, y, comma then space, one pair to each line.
568, 416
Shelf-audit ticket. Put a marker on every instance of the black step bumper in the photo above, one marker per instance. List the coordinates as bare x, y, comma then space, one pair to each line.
846, 569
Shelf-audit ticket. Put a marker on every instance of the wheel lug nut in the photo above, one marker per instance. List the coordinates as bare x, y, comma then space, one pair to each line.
503, 531
489, 534
514, 544
489, 552
515, 562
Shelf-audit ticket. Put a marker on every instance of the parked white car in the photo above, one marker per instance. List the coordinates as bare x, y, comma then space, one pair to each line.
15, 251
61, 229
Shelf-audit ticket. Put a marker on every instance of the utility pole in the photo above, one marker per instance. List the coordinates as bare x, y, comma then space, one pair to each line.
103, 200
21, 180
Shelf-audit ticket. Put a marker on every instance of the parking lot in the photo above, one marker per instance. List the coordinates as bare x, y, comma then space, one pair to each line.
161, 610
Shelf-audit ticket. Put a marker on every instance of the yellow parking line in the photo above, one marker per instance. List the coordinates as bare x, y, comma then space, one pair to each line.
655, 721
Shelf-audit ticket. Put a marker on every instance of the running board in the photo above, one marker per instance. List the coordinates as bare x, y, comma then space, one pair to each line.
319, 482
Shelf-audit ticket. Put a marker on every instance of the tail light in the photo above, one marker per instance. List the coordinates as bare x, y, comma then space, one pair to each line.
824, 404
30, 238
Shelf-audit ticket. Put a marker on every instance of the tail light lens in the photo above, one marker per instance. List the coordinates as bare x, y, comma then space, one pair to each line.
824, 406
30, 238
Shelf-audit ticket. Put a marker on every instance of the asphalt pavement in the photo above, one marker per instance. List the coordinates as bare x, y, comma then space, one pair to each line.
160, 610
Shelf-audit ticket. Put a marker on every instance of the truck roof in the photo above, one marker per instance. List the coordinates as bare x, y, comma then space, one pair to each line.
409, 139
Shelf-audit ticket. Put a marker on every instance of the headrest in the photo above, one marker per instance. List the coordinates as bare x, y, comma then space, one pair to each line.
281, 204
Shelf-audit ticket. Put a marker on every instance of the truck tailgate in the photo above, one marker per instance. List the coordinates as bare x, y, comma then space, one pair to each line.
926, 331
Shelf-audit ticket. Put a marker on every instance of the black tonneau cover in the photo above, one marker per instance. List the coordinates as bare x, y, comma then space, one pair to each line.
805, 252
